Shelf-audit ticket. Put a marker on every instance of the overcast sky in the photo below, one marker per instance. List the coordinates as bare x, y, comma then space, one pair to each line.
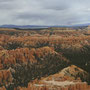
44, 12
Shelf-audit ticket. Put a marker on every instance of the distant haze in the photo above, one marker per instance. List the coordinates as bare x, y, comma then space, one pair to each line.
44, 12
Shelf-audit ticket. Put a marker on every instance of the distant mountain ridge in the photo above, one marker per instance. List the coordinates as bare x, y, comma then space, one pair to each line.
43, 26
22, 26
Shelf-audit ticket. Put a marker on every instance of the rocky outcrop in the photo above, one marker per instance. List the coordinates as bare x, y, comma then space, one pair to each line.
70, 73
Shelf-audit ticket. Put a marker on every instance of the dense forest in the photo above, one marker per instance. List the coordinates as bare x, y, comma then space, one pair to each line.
31, 56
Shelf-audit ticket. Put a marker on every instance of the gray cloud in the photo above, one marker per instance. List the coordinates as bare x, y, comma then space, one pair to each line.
44, 12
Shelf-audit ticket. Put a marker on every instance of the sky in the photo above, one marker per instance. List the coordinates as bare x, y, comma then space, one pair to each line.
44, 12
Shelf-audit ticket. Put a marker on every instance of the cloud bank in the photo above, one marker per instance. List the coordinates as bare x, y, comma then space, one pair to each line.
44, 12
